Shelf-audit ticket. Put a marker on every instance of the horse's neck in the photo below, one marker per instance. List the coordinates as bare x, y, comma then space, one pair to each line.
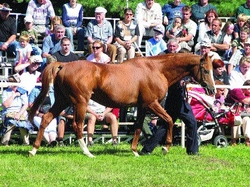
176, 73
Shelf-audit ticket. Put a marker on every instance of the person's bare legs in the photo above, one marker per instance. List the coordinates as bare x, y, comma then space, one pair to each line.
111, 119
91, 128
61, 129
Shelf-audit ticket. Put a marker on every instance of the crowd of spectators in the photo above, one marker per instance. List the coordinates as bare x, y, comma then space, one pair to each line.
173, 26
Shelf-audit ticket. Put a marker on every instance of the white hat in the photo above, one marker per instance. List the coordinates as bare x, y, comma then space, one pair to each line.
36, 59
100, 10
28, 19
3, 8
206, 43
248, 41
159, 28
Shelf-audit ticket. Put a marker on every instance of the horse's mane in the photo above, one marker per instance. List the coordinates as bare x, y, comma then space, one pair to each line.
48, 76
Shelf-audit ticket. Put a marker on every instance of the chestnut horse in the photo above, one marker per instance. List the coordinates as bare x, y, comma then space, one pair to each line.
141, 82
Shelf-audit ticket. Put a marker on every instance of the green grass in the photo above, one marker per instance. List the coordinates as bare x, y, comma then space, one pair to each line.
116, 166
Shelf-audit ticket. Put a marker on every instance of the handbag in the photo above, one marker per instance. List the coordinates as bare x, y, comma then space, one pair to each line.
11, 115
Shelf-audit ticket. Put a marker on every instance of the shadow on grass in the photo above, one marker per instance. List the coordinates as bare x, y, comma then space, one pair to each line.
95, 150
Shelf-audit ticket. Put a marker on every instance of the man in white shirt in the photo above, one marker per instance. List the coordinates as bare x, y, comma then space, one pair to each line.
148, 14
102, 114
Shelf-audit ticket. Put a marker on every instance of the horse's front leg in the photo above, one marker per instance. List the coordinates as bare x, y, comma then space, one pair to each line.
78, 119
158, 110
138, 128
46, 119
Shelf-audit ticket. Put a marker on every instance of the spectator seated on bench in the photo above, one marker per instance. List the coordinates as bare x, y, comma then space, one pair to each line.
97, 112
15, 104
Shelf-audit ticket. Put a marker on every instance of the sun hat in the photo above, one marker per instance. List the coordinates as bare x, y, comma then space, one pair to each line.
100, 10
28, 19
3, 8
205, 43
36, 59
159, 28
248, 41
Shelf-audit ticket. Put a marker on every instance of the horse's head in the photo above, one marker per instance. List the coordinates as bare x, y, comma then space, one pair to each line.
204, 74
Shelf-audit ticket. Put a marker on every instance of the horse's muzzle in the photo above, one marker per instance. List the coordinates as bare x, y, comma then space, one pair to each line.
210, 90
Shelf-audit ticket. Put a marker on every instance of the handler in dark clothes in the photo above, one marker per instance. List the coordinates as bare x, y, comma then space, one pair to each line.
176, 106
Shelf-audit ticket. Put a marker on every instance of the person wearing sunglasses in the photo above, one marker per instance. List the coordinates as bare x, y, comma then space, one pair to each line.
98, 55
126, 34
101, 29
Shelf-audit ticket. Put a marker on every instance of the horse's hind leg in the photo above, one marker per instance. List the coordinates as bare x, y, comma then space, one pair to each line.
79, 115
158, 110
46, 119
138, 127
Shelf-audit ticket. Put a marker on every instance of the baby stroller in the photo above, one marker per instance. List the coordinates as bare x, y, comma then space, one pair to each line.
210, 121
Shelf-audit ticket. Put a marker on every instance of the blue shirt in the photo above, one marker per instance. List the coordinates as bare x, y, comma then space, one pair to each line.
155, 47
171, 11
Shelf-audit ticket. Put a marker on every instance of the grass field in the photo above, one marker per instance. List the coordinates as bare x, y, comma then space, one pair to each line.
116, 166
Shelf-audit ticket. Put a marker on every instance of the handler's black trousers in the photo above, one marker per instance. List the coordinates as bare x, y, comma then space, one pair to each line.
177, 107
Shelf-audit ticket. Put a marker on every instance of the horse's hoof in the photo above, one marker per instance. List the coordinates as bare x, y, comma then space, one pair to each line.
88, 154
31, 154
136, 153
164, 150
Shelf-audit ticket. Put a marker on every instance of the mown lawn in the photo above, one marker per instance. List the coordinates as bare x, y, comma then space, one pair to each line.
116, 166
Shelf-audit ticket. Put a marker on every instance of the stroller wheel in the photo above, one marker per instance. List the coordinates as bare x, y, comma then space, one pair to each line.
220, 141
199, 140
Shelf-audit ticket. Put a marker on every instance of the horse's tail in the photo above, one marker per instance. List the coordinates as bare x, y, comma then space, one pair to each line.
48, 76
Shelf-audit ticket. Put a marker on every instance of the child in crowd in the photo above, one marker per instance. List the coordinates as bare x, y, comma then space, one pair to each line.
23, 50
228, 29
238, 43
33, 36
156, 45
55, 21
176, 30
240, 22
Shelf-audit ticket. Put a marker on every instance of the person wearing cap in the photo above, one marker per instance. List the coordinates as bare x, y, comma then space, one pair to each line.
42, 12
205, 48
190, 28
101, 29
156, 44
14, 114
8, 30
33, 35
125, 35
235, 59
30, 75
148, 14
72, 16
